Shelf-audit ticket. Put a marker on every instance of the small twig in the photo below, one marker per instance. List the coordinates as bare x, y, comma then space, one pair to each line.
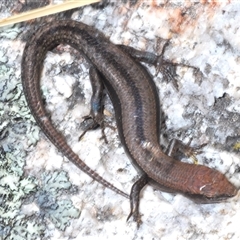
40, 12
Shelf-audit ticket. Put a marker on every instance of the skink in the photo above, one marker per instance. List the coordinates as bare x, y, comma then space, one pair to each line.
136, 104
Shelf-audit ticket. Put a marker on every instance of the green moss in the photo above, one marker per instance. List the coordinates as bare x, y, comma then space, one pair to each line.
236, 146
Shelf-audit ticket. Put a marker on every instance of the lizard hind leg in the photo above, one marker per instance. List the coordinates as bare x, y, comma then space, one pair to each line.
135, 199
95, 118
176, 148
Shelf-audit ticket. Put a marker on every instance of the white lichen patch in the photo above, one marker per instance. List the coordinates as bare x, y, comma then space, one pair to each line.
19, 133
14, 129
55, 186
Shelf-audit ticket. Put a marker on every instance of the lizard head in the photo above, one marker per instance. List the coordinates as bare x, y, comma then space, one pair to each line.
209, 186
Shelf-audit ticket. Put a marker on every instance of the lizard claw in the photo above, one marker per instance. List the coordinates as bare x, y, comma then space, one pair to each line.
167, 69
92, 124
